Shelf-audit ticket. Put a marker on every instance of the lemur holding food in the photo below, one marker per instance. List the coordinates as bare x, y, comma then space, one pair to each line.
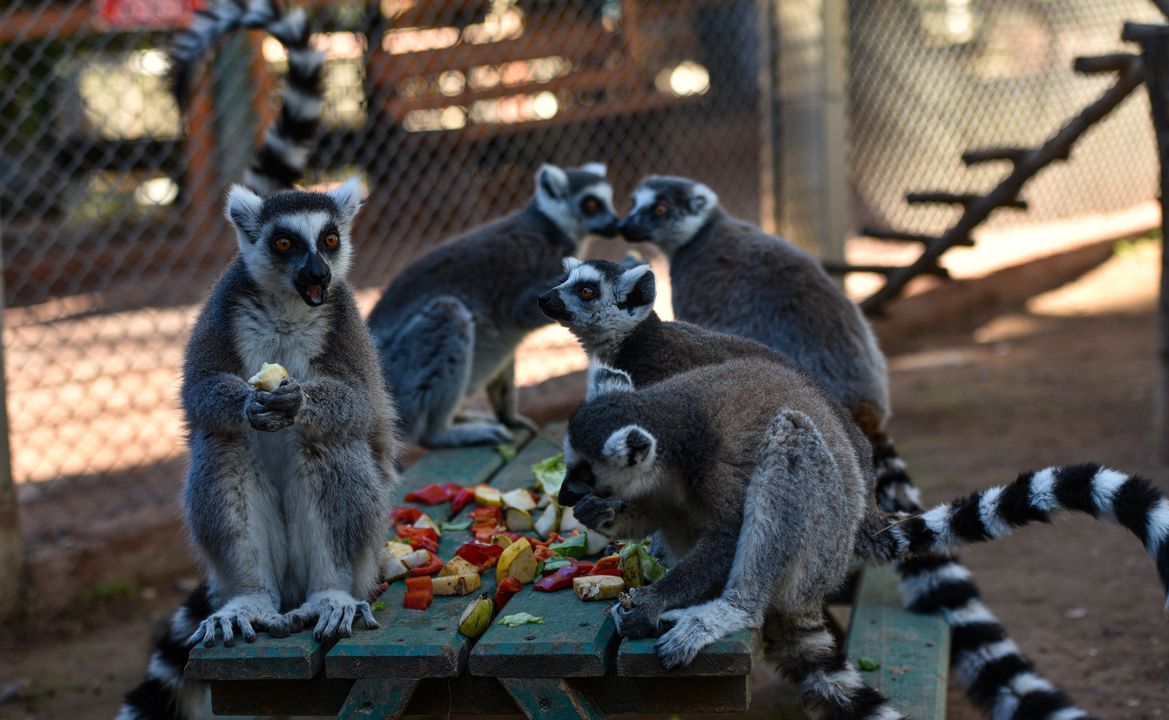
761, 485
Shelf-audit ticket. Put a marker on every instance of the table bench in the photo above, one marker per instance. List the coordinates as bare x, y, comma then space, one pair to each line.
572, 666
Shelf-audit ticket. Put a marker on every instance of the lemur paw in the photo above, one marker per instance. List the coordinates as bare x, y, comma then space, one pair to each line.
636, 616
681, 644
276, 410
471, 433
245, 612
520, 422
596, 512
334, 612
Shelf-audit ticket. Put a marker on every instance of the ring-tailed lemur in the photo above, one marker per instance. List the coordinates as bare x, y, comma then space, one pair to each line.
282, 158
760, 484
450, 323
730, 276
288, 493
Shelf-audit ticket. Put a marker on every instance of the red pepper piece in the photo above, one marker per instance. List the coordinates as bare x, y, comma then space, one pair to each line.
429, 568
608, 562
481, 555
463, 498
417, 600
402, 515
559, 580
421, 543
490, 514
542, 552
510, 586
509, 534
432, 494
615, 572
452, 489
584, 567
420, 583
409, 531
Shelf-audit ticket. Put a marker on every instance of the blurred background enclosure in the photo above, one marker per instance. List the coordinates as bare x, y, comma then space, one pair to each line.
812, 117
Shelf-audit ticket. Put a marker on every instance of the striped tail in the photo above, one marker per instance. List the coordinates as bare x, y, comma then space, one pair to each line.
282, 159
990, 667
1127, 500
164, 695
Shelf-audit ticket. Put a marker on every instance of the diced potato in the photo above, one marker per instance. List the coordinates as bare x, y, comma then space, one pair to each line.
487, 495
399, 549
549, 520
598, 587
391, 565
518, 520
269, 377
519, 499
456, 584
517, 561
424, 521
418, 558
457, 566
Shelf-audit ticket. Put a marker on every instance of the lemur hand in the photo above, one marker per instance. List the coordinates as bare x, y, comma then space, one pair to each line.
638, 616
596, 512
276, 410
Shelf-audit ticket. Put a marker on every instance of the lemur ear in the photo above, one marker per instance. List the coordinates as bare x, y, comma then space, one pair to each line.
349, 196
570, 263
631, 445
595, 168
552, 181
636, 289
702, 197
604, 380
243, 210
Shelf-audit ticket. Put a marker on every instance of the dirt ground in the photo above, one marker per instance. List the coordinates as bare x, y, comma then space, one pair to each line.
1070, 378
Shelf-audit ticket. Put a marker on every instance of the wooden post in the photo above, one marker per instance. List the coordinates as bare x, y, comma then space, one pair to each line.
11, 542
1154, 42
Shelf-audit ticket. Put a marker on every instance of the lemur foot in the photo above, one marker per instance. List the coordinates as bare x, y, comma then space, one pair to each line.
472, 433
695, 628
640, 619
597, 512
520, 422
246, 612
334, 612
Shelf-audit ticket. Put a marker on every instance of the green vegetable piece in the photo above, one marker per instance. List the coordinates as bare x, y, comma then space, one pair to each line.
555, 564
522, 618
550, 474
867, 664
378, 606
456, 526
574, 547
507, 452
651, 569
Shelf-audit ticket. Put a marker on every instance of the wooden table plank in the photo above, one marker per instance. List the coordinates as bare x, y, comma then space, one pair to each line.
427, 643
296, 657
576, 638
378, 699
316, 696
301, 656
549, 699
913, 649
668, 694
728, 656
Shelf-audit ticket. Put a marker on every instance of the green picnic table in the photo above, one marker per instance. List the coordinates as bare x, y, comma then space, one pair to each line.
574, 665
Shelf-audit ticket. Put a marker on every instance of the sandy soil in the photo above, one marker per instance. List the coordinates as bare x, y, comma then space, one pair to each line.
1070, 378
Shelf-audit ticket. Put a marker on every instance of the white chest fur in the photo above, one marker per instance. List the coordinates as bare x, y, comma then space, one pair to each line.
285, 331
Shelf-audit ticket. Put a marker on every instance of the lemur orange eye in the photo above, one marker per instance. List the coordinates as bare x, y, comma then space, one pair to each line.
332, 241
592, 205
587, 293
661, 209
281, 243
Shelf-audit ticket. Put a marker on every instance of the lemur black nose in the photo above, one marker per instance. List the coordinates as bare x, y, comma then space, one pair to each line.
544, 299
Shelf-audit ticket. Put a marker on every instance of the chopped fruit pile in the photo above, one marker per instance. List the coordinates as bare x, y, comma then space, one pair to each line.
523, 534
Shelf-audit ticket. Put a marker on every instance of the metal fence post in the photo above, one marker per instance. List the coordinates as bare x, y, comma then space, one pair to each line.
806, 59
11, 542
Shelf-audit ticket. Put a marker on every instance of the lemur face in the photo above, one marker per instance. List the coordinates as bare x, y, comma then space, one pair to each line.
605, 450
600, 302
668, 212
295, 240
578, 200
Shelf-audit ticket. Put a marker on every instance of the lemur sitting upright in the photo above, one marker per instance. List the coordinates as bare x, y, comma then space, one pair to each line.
610, 310
761, 485
288, 494
450, 323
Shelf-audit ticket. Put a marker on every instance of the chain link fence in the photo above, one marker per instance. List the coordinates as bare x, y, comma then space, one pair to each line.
111, 203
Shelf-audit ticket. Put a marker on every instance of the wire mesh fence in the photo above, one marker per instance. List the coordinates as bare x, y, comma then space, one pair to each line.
111, 204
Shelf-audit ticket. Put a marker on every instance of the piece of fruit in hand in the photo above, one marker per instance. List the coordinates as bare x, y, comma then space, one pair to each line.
269, 377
